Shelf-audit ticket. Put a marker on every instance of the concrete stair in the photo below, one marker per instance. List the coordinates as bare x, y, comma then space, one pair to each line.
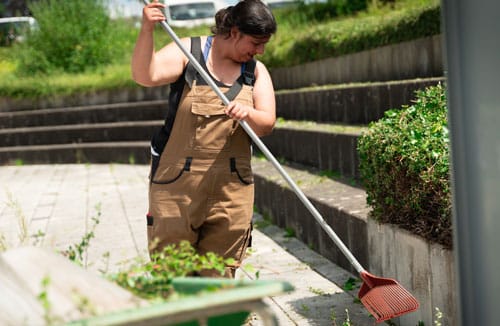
315, 140
116, 132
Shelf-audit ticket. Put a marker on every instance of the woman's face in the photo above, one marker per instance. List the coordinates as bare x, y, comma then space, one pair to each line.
247, 46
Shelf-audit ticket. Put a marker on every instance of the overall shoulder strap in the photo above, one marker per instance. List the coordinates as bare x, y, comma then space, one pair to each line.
197, 54
247, 77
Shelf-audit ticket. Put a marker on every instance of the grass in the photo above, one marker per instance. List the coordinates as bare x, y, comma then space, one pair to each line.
297, 41
111, 77
325, 127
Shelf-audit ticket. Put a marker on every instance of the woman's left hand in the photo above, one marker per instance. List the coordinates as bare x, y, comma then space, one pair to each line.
237, 110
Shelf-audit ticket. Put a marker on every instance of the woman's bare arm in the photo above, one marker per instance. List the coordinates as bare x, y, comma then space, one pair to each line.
262, 116
150, 67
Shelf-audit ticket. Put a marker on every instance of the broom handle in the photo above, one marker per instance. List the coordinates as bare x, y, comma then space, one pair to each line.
266, 152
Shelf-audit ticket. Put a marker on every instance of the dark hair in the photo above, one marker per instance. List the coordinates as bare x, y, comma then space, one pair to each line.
252, 17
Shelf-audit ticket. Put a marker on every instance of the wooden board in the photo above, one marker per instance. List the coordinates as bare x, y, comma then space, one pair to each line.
72, 292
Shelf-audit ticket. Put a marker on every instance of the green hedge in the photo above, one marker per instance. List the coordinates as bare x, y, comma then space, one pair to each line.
404, 166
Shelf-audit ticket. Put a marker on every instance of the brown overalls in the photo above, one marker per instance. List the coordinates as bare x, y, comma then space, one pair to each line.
203, 190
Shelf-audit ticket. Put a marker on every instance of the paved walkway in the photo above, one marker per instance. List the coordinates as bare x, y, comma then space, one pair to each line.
62, 201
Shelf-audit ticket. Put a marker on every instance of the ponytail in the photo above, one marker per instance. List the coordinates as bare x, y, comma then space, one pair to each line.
251, 17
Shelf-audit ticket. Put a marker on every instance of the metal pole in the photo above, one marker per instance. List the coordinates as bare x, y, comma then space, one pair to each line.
472, 45
266, 152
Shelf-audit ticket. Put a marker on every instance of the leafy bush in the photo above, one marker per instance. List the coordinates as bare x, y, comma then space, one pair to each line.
153, 279
404, 166
73, 36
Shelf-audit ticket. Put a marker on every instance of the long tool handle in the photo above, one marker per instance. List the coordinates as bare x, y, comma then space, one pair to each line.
267, 153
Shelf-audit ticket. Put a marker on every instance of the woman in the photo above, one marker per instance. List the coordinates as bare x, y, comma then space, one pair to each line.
201, 187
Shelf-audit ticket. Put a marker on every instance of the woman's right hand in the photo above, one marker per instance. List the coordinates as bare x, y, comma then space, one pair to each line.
152, 14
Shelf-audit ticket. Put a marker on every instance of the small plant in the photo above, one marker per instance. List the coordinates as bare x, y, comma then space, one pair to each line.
439, 316
330, 174
77, 252
261, 224
347, 321
289, 232
318, 291
152, 279
350, 284
43, 298
83, 304
13, 204
333, 317
23, 231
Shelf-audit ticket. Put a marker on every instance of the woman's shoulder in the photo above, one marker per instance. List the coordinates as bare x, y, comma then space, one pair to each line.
260, 69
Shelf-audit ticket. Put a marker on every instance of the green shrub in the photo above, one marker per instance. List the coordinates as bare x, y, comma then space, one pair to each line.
153, 279
404, 166
73, 36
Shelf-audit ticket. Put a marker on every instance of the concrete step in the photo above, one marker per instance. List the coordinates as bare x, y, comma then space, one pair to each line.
342, 206
81, 133
110, 152
331, 148
348, 103
133, 111
420, 58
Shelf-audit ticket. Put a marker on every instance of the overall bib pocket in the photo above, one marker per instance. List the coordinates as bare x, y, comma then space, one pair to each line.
213, 127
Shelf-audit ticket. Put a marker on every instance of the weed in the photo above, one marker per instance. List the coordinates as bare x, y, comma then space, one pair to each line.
318, 291
439, 316
38, 237
333, 317
83, 304
152, 279
289, 232
3, 243
23, 235
43, 298
329, 174
13, 204
348, 320
350, 284
249, 268
262, 223
105, 258
76, 252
